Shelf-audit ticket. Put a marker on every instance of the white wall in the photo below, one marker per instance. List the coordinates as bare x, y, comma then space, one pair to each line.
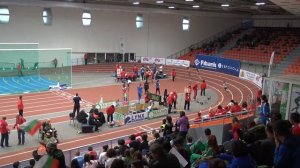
161, 36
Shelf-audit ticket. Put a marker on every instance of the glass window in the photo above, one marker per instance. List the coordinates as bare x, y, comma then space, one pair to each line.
139, 22
4, 14
86, 18
47, 16
185, 24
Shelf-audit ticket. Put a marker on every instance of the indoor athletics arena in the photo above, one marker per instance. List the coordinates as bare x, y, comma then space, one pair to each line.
149, 83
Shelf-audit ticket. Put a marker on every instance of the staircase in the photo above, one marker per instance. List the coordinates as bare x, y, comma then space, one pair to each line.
288, 60
232, 43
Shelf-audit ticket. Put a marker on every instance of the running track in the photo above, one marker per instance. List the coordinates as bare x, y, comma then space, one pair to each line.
38, 104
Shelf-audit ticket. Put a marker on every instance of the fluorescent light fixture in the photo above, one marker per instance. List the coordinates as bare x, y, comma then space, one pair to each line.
196, 6
159, 2
189, 0
171, 7
260, 3
225, 5
136, 3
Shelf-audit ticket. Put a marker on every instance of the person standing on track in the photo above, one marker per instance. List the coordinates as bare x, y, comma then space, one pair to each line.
76, 101
173, 74
170, 101
20, 105
195, 89
225, 86
203, 88
140, 92
110, 113
187, 101
174, 99
21, 133
142, 72
4, 130
85, 58
157, 85
146, 87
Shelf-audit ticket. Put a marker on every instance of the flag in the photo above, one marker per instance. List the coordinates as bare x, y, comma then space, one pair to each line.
32, 127
47, 162
271, 63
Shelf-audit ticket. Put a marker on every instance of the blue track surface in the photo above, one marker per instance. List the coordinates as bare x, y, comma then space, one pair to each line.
25, 84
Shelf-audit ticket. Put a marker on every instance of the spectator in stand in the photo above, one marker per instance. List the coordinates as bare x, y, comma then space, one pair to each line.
189, 141
240, 156
20, 105
16, 164
174, 99
4, 130
287, 152
111, 156
118, 163
92, 153
142, 72
85, 58
76, 101
268, 147
264, 113
110, 112
170, 102
199, 117
168, 127
236, 108
121, 146
146, 87
203, 88
219, 111
79, 159
195, 89
140, 92
173, 74
75, 164
187, 101
236, 127
178, 143
157, 85
89, 162
135, 144
102, 155
211, 113
295, 121
183, 124
21, 133
161, 159
137, 164
144, 147
230, 104
31, 163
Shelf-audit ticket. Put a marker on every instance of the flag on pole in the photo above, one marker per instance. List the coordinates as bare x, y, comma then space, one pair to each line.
32, 127
271, 63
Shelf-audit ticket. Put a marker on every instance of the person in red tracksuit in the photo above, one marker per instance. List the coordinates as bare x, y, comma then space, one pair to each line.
173, 74
175, 99
20, 105
170, 101
195, 89
187, 101
4, 130
110, 112
21, 133
85, 58
203, 88
135, 70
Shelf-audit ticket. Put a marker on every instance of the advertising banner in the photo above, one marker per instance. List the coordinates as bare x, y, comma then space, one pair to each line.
105, 105
295, 99
151, 60
178, 62
157, 113
119, 118
131, 118
218, 64
250, 76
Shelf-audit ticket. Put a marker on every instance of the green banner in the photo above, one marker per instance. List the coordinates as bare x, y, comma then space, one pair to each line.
157, 113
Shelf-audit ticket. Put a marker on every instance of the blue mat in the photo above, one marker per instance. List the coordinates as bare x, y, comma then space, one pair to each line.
25, 84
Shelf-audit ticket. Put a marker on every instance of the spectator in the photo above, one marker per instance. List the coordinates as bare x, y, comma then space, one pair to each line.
183, 124
144, 147
135, 144
241, 158
92, 153
102, 155
111, 156
118, 163
4, 130
236, 128
137, 164
89, 162
16, 164
295, 121
168, 127
20, 105
178, 143
268, 147
216, 163
189, 141
264, 113
121, 146
79, 159
21, 133
287, 152
174, 99
31, 163
160, 159
203, 88
75, 164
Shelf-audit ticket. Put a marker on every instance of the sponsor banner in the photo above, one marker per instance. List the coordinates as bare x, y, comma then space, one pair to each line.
218, 64
178, 62
105, 105
151, 60
250, 76
157, 113
119, 118
131, 118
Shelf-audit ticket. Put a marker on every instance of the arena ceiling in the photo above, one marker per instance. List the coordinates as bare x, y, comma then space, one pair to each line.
271, 7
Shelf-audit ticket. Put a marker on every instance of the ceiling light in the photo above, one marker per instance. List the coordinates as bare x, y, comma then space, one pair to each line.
159, 2
171, 7
189, 0
260, 3
196, 6
225, 5
136, 3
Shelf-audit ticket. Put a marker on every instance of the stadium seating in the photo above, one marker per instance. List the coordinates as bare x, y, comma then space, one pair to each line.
293, 68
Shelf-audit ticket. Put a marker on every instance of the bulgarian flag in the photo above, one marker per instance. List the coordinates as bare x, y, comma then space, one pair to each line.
32, 127
47, 162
